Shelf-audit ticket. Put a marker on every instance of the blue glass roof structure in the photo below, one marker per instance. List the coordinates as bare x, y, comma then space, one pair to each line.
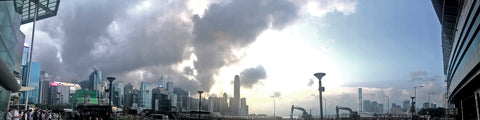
26, 9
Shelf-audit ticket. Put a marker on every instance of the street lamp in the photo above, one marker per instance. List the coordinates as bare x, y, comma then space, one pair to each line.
110, 79
412, 108
320, 90
200, 100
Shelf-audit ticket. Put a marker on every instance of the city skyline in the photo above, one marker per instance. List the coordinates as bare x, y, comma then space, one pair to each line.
150, 40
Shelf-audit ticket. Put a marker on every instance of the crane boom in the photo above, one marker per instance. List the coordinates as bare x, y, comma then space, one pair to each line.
305, 115
353, 115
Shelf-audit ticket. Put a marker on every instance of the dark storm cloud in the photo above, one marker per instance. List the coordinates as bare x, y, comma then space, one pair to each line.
276, 94
116, 39
251, 76
79, 25
231, 26
120, 39
84, 27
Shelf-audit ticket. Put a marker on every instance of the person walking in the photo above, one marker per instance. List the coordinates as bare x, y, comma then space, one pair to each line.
25, 115
49, 114
35, 114
16, 114
9, 115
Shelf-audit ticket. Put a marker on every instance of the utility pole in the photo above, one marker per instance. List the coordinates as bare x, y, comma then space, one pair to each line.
30, 56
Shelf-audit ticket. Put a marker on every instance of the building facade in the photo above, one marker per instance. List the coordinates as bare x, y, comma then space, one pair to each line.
11, 41
127, 93
236, 95
461, 54
366, 105
118, 96
34, 82
44, 88
97, 83
13, 13
145, 95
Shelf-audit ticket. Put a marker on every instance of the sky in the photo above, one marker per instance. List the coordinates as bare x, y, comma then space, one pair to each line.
384, 47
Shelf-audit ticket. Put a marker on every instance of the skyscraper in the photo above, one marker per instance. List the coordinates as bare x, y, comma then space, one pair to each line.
360, 100
231, 102
135, 98
366, 106
380, 108
406, 105
145, 95
25, 54
373, 106
44, 88
64, 94
170, 87
181, 98
34, 81
118, 94
225, 103
127, 92
243, 107
160, 82
96, 81
236, 95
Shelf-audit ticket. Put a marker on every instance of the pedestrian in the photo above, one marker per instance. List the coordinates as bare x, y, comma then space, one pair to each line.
44, 115
25, 115
9, 115
30, 114
49, 115
16, 114
21, 114
35, 114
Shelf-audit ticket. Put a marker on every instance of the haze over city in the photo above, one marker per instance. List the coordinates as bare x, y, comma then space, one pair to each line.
275, 46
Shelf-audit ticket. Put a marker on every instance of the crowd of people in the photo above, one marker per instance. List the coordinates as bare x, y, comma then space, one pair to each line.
30, 114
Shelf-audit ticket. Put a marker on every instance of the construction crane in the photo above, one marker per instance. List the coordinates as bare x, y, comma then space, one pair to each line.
353, 115
305, 115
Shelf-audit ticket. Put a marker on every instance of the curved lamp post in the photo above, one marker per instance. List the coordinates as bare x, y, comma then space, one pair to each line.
320, 90
110, 79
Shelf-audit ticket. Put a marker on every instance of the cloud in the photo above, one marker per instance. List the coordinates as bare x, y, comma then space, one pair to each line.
320, 8
232, 26
115, 40
310, 82
138, 42
251, 76
418, 75
276, 94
